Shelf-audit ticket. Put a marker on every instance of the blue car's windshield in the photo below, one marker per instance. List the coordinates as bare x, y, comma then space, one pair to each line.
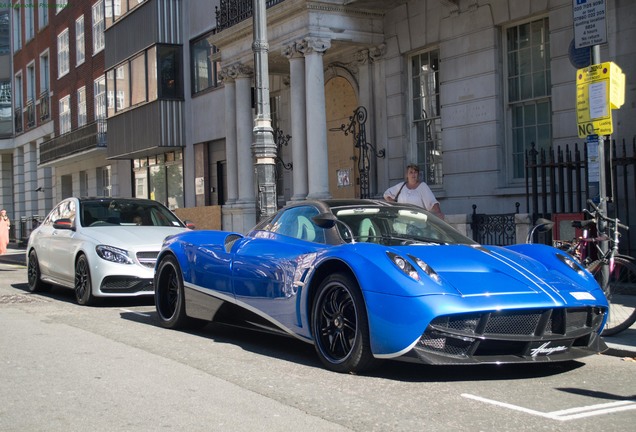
396, 225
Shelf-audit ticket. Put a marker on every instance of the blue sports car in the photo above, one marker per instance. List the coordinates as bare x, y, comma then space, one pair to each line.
367, 280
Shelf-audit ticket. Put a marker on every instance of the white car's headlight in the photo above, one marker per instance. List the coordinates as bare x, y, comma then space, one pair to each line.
113, 254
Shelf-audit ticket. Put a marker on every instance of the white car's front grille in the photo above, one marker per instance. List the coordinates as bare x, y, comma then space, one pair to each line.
147, 259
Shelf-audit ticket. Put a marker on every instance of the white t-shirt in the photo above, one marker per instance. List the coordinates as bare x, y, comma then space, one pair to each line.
420, 196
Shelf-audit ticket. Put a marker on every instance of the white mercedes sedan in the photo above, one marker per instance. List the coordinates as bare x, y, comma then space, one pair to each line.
100, 247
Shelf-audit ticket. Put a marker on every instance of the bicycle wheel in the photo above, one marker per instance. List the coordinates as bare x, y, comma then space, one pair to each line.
620, 293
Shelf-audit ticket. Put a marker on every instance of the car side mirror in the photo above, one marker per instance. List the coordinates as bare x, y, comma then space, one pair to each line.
325, 220
189, 224
64, 224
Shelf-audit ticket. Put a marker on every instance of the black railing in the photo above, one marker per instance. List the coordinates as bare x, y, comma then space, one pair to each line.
30, 109
25, 225
556, 182
17, 117
232, 12
495, 229
45, 107
88, 137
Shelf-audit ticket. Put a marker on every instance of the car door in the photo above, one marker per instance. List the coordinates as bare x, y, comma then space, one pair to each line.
41, 242
63, 244
269, 268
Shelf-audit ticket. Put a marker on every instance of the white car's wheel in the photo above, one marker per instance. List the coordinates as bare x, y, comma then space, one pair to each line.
83, 286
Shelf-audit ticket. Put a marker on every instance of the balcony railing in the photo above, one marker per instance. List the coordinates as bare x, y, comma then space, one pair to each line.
18, 119
45, 107
88, 137
30, 110
231, 12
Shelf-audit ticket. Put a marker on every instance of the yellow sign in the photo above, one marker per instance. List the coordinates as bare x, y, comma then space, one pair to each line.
599, 89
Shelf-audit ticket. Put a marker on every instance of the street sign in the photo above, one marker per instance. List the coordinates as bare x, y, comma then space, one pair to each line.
599, 89
589, 22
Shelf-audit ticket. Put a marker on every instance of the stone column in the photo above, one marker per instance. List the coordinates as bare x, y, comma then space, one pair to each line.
318, 161
298, 121
230, 136
244, 127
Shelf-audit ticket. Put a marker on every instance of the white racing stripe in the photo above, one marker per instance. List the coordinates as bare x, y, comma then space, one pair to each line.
567, 414
136, 313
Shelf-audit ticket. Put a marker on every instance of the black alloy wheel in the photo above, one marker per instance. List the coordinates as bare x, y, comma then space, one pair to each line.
83, 286
170, 297
339, 326
34, 275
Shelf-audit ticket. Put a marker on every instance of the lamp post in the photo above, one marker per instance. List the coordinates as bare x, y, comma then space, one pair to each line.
263, 146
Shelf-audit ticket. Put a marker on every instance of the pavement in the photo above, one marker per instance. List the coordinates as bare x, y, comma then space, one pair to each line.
621, 345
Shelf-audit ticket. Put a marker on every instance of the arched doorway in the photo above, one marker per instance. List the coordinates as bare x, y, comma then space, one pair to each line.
340, 103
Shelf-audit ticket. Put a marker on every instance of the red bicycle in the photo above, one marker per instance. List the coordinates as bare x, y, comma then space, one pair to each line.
598, 253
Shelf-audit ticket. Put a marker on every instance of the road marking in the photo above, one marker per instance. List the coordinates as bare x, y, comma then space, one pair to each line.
136, 313
567, 414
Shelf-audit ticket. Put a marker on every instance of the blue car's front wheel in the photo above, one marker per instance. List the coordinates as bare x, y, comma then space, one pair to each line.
339, 325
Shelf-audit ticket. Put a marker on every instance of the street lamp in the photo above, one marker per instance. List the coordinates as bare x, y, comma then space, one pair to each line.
263, 147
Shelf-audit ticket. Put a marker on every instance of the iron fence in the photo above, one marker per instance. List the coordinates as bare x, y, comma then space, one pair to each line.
495, 229
557, 179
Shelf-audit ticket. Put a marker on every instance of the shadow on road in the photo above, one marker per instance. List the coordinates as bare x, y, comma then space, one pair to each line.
293, 350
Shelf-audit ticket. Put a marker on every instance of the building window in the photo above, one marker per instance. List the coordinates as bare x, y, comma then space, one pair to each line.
160, 178
427, 122
104, 187
62, 54
30, 82
204, 71
43, 17
83, 183
6, 127
17, 30
59, 6
98, 26
169, 68
81, 107
116, 8
528, 89
45, 72
29, 22
99, 90
5, 29
65, 115
136, 81
79, 41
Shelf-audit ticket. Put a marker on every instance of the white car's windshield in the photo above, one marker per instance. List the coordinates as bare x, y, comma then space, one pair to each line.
117, 211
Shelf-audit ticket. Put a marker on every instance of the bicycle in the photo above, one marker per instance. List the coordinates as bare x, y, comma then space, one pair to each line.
619, 282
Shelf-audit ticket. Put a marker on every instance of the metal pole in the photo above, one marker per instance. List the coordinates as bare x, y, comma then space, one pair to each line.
602, 205
263, 147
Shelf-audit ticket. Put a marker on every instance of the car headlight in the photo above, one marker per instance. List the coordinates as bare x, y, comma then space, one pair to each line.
404, 265
113, 254
427, 269
571, 263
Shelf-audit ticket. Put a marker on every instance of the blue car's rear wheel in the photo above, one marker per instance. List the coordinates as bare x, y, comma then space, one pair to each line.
339, 326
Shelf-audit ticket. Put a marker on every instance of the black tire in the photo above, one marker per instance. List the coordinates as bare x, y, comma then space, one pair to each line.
34, 275
83, 286
620, 293
170, 297
340, 327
